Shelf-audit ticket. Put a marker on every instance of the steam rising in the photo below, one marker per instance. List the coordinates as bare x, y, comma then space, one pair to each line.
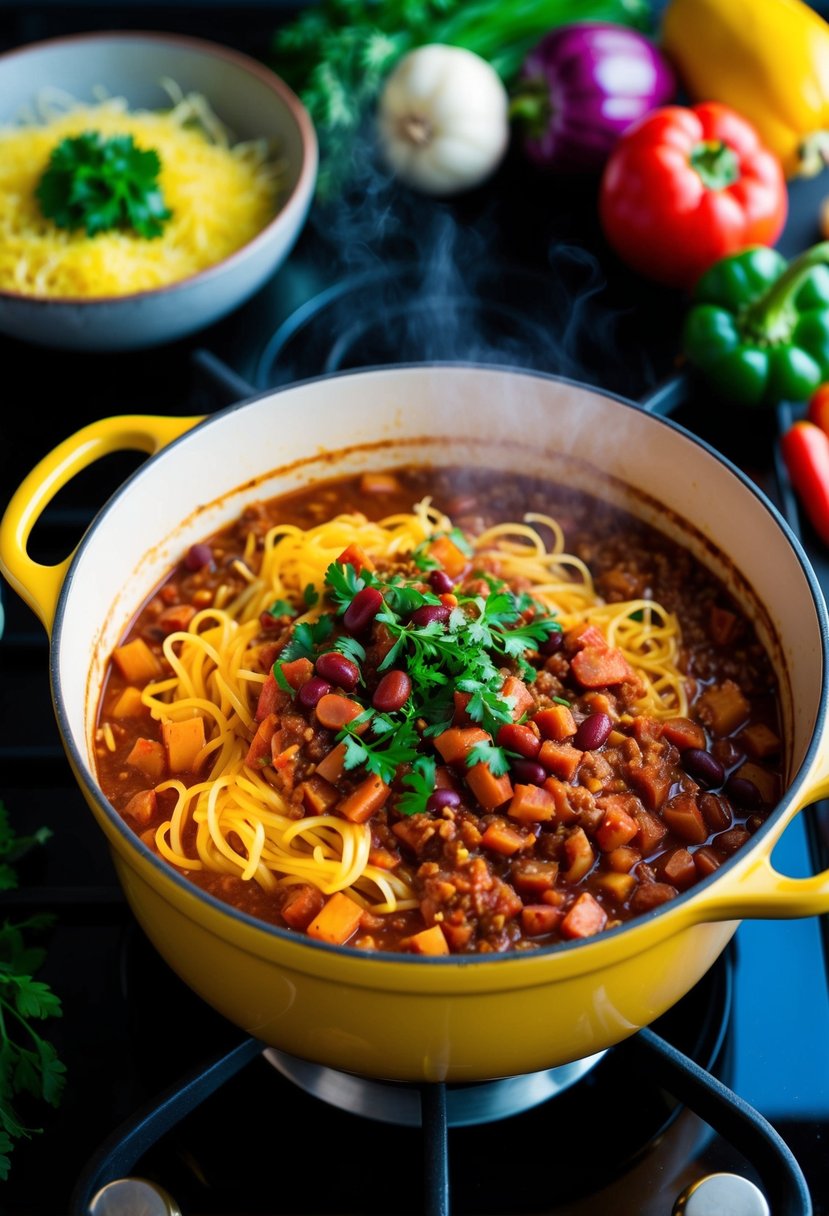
426, 280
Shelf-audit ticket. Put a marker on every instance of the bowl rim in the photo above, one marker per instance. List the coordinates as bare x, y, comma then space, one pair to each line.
630, 930
292, 208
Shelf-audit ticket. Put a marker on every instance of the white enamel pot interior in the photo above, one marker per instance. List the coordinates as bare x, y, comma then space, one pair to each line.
397, 1016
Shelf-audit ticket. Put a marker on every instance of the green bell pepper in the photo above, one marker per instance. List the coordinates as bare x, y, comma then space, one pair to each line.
758, 326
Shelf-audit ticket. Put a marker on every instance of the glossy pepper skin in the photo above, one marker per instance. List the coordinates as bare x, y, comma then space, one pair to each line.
686, 185
805, 451
758, 326
769, 59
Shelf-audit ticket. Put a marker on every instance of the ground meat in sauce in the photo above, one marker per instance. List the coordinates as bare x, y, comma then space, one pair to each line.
623, 823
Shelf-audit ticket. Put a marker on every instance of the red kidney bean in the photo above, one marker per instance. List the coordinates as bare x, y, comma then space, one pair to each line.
703, 767
392, 692
440, 582
593, 731
311, 692
442, 798
552, 644
362, 610
743, 791
338, 669
428, 613
198, 556
527, 772
519, 738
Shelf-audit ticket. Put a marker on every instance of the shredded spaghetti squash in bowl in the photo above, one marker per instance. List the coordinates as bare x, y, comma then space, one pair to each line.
148, 185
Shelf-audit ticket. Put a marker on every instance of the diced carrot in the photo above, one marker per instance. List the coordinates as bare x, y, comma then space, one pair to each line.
579, 854
136, 662
584, 635
678, 868
303, 903
683, 817
532, 804
259, 751
723, 707
532, 876
364, 801
129, 704
335, 711
537, 919
618, 827
760, 741
556, 722
356, 556
143, 806
337, 921
683, 733
183, 741
452, 559
318, 795
501, 838
176, 618
429, 941
455, 743
585, 918
384, 859
651, 782
490, 791
297, 672
651, 831
332, 765
595, 667
723, 626
518, 691
271, 698
379, 483
623, 858
561, 759
149, 756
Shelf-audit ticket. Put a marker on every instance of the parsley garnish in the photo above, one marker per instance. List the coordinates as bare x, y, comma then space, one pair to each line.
421, 783
281, 608
306, 638
99, 183
28, 1063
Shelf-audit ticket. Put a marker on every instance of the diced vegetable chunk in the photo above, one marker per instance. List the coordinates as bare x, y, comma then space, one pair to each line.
183, 741
136, 662
337, 921
364, 801
149, 756
586, 917
429, 941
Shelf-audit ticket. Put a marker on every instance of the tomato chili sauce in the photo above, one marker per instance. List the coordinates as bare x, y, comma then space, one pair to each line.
549, 812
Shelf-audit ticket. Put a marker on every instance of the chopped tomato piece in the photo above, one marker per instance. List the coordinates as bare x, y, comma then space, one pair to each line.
586, 917
595, 667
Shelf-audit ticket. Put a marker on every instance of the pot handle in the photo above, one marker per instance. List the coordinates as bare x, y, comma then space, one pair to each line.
757, 889
38, 585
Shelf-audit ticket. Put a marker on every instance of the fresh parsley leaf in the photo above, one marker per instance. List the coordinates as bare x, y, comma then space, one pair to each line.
351, 648
281, 608
343, 583
421, 782
307, 637
281, 678
495, 758
99, 183
310, 595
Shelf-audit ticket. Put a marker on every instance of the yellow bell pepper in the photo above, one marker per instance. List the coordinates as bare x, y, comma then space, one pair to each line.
767, 59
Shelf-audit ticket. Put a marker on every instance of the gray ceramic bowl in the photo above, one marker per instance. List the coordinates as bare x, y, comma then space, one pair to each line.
246, 96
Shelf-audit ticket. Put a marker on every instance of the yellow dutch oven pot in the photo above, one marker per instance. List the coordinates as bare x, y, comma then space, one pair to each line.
457, 1019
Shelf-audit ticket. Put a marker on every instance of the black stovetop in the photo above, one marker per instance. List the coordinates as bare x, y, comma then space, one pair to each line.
523, 260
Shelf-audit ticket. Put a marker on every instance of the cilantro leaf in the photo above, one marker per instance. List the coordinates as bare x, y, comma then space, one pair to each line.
421, 782
281, 608
306, 638
496, 758
99, 183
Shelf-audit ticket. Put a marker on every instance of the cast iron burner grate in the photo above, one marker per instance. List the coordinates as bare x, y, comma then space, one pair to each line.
654, 1081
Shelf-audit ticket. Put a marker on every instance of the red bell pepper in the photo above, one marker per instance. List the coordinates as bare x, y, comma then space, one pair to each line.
805, 450
685, 186
818, 408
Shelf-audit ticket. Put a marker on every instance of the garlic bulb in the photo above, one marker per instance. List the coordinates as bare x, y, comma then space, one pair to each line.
443, 119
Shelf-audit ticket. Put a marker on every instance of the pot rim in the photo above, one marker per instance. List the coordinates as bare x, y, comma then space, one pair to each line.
588, 949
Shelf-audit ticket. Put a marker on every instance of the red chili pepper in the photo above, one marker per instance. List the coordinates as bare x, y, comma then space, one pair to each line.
687, 185
805, 450
818, 408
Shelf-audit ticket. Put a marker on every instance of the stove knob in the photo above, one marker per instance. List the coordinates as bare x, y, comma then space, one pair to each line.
133, 1197
720, 1193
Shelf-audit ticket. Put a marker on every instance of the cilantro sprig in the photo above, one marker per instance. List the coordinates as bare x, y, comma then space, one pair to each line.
29, 1063
99, 183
